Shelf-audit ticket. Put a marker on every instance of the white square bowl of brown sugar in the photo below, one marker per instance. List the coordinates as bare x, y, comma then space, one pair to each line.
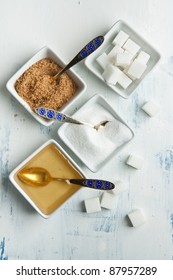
33, 87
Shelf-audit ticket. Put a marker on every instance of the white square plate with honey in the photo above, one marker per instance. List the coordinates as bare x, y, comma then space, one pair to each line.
47, 199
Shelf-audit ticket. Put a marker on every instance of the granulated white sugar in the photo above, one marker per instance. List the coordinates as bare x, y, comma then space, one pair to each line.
89, 143
94, 146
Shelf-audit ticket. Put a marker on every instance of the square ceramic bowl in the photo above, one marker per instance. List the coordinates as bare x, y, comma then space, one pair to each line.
96, 147
45, 52
107, 45
46, 200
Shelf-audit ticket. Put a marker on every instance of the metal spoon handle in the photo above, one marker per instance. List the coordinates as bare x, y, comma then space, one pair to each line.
86, 51
93, 183
53, 114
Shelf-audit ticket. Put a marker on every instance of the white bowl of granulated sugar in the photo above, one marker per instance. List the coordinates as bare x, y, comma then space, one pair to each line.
33, 87
96, 147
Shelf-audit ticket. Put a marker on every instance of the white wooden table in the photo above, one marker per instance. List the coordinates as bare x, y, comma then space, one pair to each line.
65, 26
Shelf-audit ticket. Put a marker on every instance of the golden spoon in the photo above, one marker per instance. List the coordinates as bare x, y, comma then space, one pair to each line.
39, 177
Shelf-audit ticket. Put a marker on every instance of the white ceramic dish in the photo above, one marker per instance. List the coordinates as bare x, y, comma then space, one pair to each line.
95, 68
30, 197
92, 104
45, 52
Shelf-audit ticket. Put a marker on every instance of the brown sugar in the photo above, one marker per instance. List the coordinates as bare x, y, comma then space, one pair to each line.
37, 88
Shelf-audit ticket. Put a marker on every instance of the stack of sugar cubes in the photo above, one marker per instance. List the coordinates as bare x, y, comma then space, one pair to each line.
125, 63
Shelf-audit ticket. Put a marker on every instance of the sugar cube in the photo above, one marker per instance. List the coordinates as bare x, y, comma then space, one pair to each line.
150, 108
135, 161
111, 55
108, 200
136, 69
131, 46
123, 59
103, 60
137, 218
124, 80
127, 74
111, 74
121, 38
92, 205
143, 57
119, 188
132, 56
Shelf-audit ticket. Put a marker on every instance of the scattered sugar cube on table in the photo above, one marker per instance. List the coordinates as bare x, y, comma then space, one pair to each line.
108, 200
124, 80
119, 188
111, 74
92, 205
121, 38
150, 108
137, 218
135, 161
136, 69
143, 57
103, 60
131, 46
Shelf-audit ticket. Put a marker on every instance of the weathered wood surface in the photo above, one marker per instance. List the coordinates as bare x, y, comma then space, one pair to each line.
65, 26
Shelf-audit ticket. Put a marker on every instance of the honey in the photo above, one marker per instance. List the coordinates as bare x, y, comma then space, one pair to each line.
49, 198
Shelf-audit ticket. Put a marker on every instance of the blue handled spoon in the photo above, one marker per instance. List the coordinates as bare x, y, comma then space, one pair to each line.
86, 51
39, 177
51, 114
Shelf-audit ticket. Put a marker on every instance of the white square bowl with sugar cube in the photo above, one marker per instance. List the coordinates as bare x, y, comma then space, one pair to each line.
119, 41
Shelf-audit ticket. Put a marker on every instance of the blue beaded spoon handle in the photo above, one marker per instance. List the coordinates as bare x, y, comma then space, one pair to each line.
55, 115
86, 51
93, 184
